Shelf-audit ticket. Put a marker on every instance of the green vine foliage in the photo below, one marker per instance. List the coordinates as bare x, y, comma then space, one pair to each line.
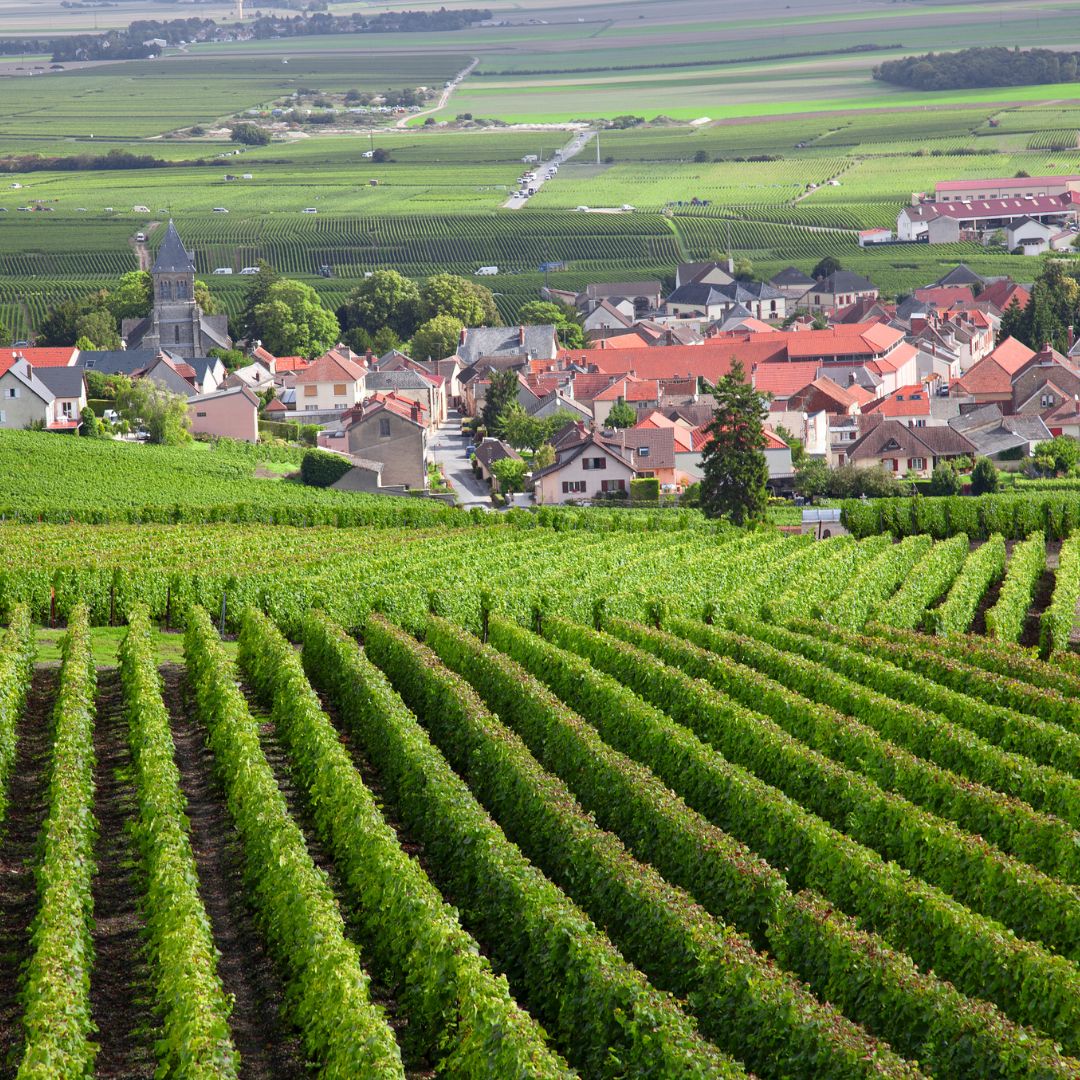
56, 992
195, 1043
327, 991
17, 653
461, 1015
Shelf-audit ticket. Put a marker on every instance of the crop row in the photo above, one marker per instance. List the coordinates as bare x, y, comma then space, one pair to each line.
921, 1017
56, 987
982, 568
980, 956
195, 1042
328, 990
1059, 618
878, 581
461, 1015
600, 1011
930, 579
1005, 620
17, 653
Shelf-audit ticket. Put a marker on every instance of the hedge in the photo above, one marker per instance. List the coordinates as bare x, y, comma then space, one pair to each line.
600, 1011
320, 468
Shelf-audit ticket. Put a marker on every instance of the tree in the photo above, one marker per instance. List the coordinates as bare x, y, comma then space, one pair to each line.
231, 358
701, 156
250, 135
945, 480
565, 318
544, 456
132, 298
984, 477
1057, 455
380, 155
437, 338
734, 470
204, 299
502, 391
386, 299
622, 415
829, 265
257, 292
293, 322
1012, 322
92, 427
743, 269
795, 445
509, 474
60, 324
1054, 307
812, 477
163, 413
99, 327
449, 294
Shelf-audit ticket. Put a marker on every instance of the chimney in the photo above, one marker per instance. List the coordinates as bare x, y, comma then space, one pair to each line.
918, 323
521, 335
461, 340
1071, 335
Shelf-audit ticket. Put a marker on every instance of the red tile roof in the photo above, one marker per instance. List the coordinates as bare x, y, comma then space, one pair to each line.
784, 379
978, 185
588, 385
906, 401
1002, 293
330, 367
290, 363
1011, 355
711, 361
944, 296
631, 389
46, 356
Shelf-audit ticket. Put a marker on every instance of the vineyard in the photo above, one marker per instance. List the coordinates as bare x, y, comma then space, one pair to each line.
695, 803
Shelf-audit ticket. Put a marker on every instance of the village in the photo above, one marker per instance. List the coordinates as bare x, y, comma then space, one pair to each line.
852, 379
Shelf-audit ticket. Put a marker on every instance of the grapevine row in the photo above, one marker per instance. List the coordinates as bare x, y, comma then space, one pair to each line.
743, 1003
982, 568
327, 989
979, 956
1060, 617
196, 1042
17, 653
1005, 620
460, 1014
931, 577
56, 991
876, 583
922, 1017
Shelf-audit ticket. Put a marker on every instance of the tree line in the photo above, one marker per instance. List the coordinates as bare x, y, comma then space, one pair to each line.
978, 67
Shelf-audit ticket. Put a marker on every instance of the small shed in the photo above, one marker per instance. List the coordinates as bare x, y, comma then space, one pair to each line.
822, 522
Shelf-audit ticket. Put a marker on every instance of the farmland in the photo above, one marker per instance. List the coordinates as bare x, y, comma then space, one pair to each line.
621, 778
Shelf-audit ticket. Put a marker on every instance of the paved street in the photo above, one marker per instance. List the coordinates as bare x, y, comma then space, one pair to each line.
574, 146
448, 447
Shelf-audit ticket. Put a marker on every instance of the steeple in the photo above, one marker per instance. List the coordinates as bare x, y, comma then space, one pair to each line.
172, 256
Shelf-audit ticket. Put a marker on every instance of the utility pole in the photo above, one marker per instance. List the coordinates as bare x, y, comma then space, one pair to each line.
598, 148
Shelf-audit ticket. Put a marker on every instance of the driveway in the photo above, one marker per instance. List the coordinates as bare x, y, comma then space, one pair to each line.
448, 448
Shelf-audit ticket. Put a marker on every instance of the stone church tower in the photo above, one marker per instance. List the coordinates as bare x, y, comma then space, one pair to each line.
176, 324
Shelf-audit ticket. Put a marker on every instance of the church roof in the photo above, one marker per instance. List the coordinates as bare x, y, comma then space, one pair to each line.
172, 256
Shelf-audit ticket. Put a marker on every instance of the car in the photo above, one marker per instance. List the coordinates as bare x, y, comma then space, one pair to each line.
108, 210
470, 450
326, 270
532, 191
220, 210
3, 209
250, 270
140, 237
310, 210
111, 415
627, 207
223, 270
581, 209
21, 344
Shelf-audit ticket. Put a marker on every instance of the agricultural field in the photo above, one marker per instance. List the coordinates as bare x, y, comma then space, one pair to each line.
622, 779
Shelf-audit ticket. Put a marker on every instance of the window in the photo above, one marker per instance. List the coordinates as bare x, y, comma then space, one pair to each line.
642, 451
594, 463
1047, 400
643, 475
311, 391
11, 392
918, 463
339, 389
918, 423
612, 485
200, 414
311, 408
176, 334
66, 408
384, 429
573, 487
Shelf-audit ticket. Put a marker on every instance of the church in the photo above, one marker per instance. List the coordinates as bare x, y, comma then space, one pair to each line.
176, 322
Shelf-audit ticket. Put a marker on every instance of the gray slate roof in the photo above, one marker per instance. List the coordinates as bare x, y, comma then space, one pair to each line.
792, 276
501, 340
115, 361
172, 256
843, 281
64, 382
404, 379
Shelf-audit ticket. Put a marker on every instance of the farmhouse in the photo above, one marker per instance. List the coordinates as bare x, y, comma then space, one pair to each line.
1008, 188
926, 220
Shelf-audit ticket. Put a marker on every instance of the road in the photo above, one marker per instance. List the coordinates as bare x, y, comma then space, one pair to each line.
444, 97
448, 448
574, 146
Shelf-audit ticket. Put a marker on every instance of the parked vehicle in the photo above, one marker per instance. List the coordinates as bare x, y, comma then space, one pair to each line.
250, 270
223, 270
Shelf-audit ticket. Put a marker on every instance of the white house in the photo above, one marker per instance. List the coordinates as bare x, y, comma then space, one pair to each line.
589, 470
329, 384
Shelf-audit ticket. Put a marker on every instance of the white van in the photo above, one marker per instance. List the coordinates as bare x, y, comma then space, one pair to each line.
486, 271
310, 210
250, 270
140, 209
140, 238
223, 270
220, 210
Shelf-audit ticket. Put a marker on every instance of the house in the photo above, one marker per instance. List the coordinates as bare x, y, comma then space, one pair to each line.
588, 469
715, 302
209, 371
991, 379
652, 453
909, 405
412, 383
68, 388
391, 430
707, 273
176, 376
526, 342
822, 394
1030, 236
607, 316
975, 215
488, 452
840, 289
1000, 294
640, 393
257, 375
962, 274
26, 401
793, 283
874, 236
331, 383
116, 361
1000, 438
902, 450
1013, 187
636, 298
231, 414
